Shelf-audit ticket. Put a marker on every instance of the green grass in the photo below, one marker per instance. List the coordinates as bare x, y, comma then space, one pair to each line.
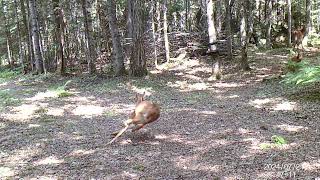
109, 85
278, 140
7, 74
7, 99
110, 113
61, 91
41, 110
139, 167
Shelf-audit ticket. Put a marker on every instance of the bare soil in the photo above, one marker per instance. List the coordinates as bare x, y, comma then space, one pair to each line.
207, 129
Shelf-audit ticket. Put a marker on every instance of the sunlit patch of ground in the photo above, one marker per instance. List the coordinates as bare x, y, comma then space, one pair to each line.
276, 104
21, 113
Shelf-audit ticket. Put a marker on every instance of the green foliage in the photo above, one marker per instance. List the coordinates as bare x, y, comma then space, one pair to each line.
41, 110
314, 39
278, 140
61, 91
64, 93
304, 76
6, 73
292, 66
110, 113
139, 167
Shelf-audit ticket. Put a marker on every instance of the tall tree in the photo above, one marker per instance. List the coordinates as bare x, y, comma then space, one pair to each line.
35, 36
21, 53
104, 25
26, 26
138, 65
308, 20
90, 45
117, 49
60, 26
211, 29
289, 22
8, 33
165, 30
244, 31
153, 27
187, 9
219, 16
269, 19
229, 4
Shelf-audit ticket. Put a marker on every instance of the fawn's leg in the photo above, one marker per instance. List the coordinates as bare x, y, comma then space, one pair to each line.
126, 124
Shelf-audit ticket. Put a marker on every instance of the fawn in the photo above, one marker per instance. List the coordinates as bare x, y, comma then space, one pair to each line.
145, 112
297, 37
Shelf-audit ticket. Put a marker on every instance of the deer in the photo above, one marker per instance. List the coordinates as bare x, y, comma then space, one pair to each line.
297, 36
144, 113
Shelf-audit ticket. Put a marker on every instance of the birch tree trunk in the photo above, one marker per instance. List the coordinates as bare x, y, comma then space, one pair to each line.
165, 31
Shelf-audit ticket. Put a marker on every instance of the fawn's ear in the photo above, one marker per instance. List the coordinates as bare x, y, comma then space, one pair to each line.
139, 98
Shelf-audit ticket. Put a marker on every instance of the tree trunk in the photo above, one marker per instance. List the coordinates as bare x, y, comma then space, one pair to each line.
269, 23
308, 24
35, 36
8, 35
104, 26
211, 29
186, 4
244, 31
28, 33
137, 57
228, 28
219, 16
21, 53
152, 9
116, 42
308, 17
289, 22
165, 31
89, 37
58, 12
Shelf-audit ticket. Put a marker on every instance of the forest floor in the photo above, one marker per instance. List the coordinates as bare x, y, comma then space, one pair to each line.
207, 129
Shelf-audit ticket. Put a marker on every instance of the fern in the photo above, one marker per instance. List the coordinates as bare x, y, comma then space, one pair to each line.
304, 76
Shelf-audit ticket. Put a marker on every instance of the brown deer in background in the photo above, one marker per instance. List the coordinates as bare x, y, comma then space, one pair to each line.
297, 37
144, 113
